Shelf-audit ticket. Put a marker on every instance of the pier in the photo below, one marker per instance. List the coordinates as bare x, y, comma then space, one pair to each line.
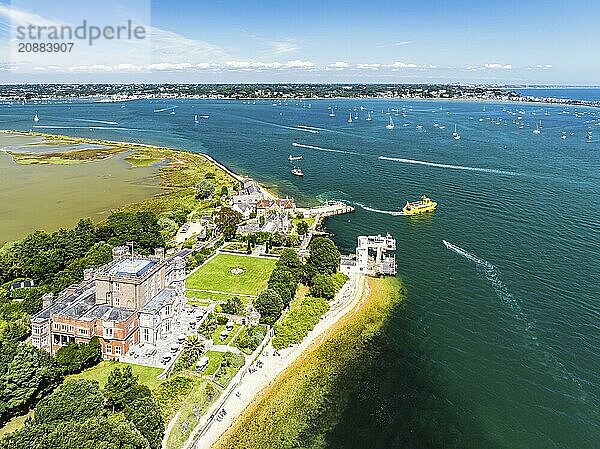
329, 209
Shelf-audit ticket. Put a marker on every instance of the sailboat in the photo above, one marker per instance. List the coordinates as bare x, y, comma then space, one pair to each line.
350, 118
332, 113
390, 125
294, 158
537, 128
369, 117
36, 118
196, 118
455, 134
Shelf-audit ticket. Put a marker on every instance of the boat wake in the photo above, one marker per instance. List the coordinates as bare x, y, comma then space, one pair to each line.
491, 274
165, 109
379, 211
96, 121
507, 298
329, 150
454, 167
308, 129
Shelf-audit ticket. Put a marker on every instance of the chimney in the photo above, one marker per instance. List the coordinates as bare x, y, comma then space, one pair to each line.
88, 274
159, 253
47, 299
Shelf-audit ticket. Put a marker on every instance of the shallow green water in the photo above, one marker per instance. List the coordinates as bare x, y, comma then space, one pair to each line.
52, 196
497, 344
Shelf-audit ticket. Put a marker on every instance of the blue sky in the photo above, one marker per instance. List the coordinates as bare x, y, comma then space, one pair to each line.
544, 42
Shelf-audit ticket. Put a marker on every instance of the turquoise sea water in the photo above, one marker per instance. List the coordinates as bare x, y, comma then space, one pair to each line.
497, 344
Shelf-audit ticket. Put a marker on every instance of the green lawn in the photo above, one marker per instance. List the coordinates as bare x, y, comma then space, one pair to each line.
200, 298
100, 372
309, 221
14, 424
214, 361
216, 274
217, 334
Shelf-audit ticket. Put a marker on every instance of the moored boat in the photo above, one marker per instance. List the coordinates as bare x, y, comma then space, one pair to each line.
296, 171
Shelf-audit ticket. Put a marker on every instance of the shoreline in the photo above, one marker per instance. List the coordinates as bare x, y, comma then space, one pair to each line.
551, 101
253, 387
87, 140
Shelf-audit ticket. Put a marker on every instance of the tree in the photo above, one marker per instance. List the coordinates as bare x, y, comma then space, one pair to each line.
146, 416
208, 326
324, 257
227, 220
75, 357
194, 347
113, 432
205, 189
26, 375
140, 227
168, 225
224, 191
284, 281
75, 399
323, 287
233, 306
289, 258
302, 227
270, 305
123, 387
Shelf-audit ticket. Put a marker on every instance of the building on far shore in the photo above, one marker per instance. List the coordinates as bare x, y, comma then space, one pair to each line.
131, 299
364, 262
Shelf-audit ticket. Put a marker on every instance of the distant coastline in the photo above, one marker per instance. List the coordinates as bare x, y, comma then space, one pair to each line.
102, 93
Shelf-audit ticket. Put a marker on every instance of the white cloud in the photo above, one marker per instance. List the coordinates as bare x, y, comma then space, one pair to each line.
368, 66
338, 65
395, 44
297, 64
497, 66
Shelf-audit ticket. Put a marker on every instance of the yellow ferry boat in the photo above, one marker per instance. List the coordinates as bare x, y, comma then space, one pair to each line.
419, 207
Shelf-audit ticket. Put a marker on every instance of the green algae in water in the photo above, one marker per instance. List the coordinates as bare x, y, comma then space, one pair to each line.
306, 402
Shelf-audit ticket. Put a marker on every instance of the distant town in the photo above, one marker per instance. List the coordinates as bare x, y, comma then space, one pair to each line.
126, 92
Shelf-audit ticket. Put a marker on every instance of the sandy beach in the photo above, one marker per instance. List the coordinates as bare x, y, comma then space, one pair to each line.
243, 392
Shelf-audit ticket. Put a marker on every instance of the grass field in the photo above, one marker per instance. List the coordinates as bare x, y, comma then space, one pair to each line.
14, 424
147, 374
216, 274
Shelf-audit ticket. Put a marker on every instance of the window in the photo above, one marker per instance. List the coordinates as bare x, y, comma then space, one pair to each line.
117, 302
71, 328
146, 335
55, 326
108, 349
63, 327
117, 287
108, 332
82, 331
117, 350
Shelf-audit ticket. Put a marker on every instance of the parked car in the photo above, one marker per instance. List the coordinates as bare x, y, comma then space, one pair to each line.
224, 334
175, 347
166, 358
229, 326
180, 338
